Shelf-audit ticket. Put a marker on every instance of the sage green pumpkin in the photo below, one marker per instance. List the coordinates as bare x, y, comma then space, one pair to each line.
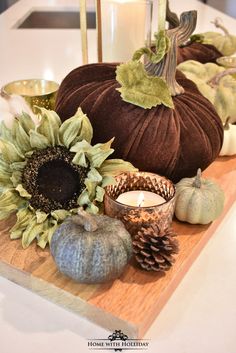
229, 144
91, 249
198, 200
220, 90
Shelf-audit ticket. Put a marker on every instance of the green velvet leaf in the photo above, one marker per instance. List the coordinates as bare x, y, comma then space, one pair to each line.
140, 89
162, 44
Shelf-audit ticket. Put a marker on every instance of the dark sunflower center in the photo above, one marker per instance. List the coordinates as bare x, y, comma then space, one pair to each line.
53, 180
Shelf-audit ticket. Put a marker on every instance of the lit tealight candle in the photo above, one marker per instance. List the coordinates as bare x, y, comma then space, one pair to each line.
140, 198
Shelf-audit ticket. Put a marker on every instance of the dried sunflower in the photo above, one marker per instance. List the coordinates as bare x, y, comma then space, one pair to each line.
48, 171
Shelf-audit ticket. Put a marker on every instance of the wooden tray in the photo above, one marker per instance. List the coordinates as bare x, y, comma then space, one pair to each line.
130, 303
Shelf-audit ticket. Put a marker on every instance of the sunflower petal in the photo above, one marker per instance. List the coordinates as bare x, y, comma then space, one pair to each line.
49, 126
93, 175
91, 188
5, 174
38, 141
16, 178
108, 180
24, 217
99, 153
9, 152
22, 139
92, 208
26, 122
99, 194
5, 132
41, 216
83, 199
18, 166
60, 215
46, 236
80, 159
32, 231
9, 202
23, 193
113, 167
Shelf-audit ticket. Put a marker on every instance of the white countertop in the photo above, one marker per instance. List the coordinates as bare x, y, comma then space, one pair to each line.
200, 317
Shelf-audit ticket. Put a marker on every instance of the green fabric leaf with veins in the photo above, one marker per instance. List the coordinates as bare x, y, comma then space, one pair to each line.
162, 43
141, 89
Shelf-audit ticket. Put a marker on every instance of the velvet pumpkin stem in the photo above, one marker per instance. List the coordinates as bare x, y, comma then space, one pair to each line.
167, 67
85, 220
218, 23
214, 81
171, 17
197, 181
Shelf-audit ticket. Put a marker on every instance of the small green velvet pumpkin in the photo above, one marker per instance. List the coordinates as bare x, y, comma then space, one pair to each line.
216, 84
229, 144
225, 43
90, 248
198, 200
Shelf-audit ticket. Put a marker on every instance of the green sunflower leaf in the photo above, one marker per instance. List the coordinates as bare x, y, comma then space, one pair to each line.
49, 126
38, 141
9, 152
99, 153
23, 193
75, 129
141, 89
60, 215
113, 167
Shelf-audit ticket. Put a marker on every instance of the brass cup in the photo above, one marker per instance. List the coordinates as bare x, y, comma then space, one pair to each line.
36, 92
135, 217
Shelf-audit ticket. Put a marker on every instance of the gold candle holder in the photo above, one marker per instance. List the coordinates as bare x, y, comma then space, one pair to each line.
36, 92
134, 217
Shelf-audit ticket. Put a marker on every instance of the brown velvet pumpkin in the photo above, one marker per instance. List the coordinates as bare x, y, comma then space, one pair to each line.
171, 142
204, 53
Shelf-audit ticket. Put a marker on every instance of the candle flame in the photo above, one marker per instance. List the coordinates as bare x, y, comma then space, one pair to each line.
140, 200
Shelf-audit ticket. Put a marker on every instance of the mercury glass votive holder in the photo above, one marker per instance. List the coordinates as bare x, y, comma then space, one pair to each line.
36, 92
134, 217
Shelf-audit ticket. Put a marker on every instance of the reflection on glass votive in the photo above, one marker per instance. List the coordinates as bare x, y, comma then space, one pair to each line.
36, 92
135, 217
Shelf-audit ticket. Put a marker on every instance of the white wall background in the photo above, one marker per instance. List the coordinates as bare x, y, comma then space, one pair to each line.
226, 6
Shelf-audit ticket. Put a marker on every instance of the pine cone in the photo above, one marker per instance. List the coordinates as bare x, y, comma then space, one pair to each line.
154, 249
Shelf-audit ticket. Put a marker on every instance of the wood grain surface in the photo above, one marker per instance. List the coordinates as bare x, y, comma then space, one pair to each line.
132, 302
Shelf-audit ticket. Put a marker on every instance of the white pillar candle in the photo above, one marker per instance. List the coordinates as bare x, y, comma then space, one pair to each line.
123, 28
140, 198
